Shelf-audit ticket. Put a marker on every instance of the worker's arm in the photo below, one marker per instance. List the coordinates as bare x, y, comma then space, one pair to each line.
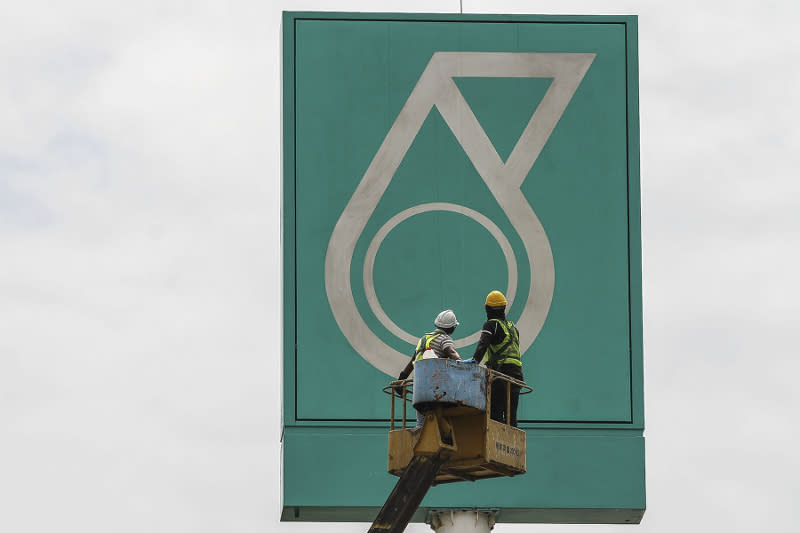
407, 370
410, 366
447, 349
451, 353
484, 341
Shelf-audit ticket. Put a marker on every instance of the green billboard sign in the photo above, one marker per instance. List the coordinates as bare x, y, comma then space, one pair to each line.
429, 159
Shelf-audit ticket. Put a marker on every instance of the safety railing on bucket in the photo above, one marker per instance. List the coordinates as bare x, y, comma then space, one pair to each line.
400, 389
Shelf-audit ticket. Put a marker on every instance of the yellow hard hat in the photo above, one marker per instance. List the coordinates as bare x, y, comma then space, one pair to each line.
496, 299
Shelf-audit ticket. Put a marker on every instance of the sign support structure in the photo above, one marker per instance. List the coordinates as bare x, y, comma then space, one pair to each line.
431, 158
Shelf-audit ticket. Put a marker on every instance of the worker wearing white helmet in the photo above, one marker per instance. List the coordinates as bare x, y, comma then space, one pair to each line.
437, 343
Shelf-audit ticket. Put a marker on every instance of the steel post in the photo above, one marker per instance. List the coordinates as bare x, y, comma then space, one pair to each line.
473, 521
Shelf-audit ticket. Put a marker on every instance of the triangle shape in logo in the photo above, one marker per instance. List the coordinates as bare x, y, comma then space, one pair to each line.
503, 106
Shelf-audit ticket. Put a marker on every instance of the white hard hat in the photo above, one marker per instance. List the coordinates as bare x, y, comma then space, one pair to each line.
446, 319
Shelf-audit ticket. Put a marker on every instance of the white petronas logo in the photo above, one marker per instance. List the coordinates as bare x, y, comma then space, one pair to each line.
504, 179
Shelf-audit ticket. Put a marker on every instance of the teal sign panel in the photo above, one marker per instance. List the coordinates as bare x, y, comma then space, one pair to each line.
429, 159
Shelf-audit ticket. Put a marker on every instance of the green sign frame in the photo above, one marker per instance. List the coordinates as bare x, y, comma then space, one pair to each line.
504, 151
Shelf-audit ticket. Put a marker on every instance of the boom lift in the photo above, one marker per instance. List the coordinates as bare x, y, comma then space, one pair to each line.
458, 440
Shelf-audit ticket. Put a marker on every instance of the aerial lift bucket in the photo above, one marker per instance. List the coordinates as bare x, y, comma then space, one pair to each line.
458, 440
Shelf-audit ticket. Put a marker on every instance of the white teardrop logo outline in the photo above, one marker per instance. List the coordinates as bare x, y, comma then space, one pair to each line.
504, 179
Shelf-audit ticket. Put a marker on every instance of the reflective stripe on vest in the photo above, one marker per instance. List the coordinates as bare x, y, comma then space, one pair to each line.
422, 347
507, 350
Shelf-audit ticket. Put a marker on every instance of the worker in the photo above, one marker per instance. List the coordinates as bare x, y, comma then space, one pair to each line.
499, 344
439, 342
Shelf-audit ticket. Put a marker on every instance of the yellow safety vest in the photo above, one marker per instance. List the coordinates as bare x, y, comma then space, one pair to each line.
424, 344
507, 350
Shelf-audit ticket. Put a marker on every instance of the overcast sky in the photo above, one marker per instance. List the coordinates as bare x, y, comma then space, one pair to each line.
140, 281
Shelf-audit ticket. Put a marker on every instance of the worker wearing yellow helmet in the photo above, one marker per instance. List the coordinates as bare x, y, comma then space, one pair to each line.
499, 348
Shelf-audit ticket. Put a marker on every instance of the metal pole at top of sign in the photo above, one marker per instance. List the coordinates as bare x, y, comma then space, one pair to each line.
461, 6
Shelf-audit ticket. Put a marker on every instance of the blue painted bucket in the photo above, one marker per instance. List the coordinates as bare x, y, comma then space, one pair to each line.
448, 383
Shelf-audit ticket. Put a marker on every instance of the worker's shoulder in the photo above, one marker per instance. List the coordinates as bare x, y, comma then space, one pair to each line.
501, 321
424, 338
490, 325
444, 337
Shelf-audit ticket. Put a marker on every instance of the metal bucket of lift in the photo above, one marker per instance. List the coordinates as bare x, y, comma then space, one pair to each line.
449, 383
